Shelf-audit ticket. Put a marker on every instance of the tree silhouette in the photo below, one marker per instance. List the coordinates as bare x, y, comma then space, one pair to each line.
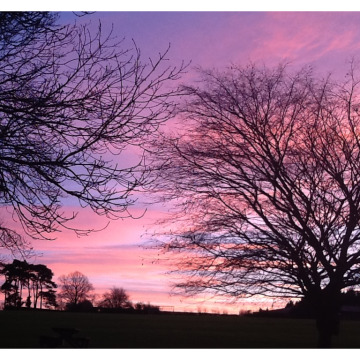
48, 297
72, 102
74, 288
42, 285
265, 180
115, 298
20, 275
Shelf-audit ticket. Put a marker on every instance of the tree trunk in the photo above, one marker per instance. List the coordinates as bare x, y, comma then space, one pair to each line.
327, 326
327, 318
41, 289
36, 295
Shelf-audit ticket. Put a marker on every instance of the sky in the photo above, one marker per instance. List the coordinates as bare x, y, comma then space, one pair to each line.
114, 256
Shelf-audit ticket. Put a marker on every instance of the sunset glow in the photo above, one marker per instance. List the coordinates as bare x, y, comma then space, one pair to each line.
116, 256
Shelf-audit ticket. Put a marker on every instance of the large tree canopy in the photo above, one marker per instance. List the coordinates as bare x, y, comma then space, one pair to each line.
71, 101
265, 178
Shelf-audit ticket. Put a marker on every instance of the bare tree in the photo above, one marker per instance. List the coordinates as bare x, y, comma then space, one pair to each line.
74, 288
115, 298
265, 182
71, 102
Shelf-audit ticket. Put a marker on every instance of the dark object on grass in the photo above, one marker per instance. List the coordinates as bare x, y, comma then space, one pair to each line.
65, 339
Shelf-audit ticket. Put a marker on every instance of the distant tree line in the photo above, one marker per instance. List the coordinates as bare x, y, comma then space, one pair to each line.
31, 286
349, 306
117, 300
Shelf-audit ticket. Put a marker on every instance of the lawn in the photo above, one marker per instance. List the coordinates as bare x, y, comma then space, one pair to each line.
22, 329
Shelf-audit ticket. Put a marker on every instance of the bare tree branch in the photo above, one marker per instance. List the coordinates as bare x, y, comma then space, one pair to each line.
266, 186
71, 103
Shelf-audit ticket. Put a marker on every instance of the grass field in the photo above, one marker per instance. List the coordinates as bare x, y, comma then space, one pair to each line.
22, 329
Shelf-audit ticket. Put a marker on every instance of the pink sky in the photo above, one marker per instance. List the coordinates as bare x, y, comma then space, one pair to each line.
114, 257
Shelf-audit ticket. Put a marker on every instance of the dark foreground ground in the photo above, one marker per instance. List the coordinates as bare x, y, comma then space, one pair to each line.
22, 329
